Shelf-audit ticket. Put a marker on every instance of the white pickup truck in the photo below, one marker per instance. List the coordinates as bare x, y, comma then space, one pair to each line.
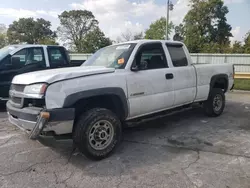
119, 83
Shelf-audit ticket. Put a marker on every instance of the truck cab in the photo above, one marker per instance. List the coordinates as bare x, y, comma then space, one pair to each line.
19, 59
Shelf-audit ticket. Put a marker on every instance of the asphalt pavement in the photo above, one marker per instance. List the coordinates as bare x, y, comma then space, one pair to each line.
185, 149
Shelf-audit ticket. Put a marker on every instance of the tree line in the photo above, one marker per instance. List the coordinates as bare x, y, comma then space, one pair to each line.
78, 30
204, 29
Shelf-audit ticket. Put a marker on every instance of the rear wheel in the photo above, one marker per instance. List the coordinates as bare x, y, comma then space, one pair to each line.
215, 104
97, 133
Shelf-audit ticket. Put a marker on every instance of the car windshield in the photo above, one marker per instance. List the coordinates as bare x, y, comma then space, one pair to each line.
112, 56
5, 51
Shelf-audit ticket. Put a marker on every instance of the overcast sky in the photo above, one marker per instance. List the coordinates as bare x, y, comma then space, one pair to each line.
116, 16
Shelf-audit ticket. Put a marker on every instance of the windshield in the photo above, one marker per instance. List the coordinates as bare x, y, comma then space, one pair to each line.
5, 51
112, 56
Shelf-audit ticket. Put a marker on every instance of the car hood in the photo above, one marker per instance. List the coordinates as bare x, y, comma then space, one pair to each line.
53, 75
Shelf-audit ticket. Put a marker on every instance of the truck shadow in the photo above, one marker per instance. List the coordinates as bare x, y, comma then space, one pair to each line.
166, 141
3, 110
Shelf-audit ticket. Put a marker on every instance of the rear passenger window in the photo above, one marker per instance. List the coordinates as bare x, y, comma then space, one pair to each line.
56, 56
178, 55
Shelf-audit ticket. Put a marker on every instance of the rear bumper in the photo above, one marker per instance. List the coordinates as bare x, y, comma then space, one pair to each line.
60, 121
3, 99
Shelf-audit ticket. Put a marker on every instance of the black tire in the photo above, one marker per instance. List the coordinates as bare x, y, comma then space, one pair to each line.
209, 107
85, 125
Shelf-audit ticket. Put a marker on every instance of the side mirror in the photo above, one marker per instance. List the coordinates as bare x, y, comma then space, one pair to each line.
135, 68
144, 65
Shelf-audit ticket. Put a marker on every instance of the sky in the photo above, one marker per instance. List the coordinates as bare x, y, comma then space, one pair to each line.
117, 16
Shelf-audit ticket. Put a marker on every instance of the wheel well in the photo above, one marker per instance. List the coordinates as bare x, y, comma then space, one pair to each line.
111, 102
221, 83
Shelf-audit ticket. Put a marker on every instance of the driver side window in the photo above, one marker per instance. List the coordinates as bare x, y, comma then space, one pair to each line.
28, 56
19, 59
151, 56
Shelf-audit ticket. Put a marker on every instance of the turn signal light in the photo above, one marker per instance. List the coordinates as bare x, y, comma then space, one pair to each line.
45, 115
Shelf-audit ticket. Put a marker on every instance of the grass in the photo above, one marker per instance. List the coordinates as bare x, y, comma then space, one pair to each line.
242, 84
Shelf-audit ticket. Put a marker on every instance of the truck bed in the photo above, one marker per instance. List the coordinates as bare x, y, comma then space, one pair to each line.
204, 74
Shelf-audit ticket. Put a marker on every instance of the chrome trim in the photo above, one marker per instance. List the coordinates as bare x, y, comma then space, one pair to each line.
18, 105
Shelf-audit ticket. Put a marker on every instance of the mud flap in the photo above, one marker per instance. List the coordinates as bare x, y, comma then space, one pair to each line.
36, 131
232, 87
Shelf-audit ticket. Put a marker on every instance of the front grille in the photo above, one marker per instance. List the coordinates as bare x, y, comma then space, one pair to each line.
16, 100
17, 87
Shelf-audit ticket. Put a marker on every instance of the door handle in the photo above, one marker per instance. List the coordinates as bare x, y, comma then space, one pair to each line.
169, 76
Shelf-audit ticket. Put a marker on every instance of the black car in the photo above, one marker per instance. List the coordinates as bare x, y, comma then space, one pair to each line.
19, 59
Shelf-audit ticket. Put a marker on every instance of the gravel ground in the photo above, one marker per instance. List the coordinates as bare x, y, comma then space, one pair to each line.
186, 149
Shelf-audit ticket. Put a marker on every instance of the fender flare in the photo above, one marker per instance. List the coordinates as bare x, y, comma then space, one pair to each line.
73, 98
216, 77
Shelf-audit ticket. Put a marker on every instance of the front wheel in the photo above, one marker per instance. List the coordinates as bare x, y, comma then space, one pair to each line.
97, 133
215, 104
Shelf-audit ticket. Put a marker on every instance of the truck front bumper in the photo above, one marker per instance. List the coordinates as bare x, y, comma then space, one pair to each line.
60, 120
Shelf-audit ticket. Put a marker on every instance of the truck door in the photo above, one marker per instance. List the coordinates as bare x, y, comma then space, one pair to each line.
6, 75
184, 75
23, 61
150, 88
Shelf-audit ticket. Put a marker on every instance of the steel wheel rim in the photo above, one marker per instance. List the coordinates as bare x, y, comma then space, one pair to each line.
101, 135
217, 102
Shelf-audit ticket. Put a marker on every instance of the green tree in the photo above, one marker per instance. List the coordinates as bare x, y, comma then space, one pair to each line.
206, 23
214, 47
94, 40
3, 36
3, 40
28, 30
237, 48
247, 43
48, 41
77, 26
157, 29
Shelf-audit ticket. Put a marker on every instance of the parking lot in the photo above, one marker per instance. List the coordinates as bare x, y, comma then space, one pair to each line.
185, 149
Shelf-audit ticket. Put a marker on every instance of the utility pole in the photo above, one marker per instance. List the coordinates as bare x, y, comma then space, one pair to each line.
170, 7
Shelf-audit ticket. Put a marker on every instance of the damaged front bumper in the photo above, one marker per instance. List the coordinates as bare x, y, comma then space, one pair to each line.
38, 121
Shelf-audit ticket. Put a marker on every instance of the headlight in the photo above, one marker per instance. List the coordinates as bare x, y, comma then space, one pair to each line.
36, 89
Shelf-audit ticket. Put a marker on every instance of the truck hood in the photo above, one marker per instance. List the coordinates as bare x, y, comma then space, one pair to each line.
53, 75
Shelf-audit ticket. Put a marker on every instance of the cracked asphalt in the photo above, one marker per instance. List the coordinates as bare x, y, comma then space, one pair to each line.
185, 149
